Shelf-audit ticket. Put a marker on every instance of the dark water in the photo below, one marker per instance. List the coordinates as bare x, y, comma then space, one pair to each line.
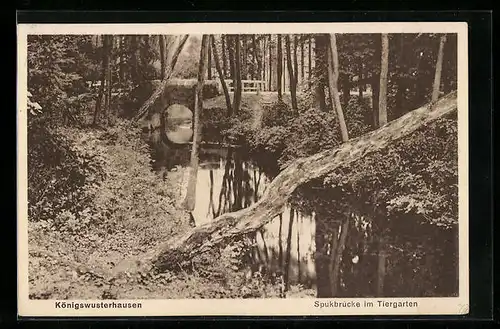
302, 244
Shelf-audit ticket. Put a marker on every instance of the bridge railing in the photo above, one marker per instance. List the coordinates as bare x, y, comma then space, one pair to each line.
246, 85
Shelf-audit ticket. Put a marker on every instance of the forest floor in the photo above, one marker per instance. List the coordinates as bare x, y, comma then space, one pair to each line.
141, 212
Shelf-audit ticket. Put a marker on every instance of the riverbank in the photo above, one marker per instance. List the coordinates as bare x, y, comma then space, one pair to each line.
132, 211
130, 214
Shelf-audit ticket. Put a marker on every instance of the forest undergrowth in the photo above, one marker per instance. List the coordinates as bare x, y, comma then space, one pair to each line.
98, 252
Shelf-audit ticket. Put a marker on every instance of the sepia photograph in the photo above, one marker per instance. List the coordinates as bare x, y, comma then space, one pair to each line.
320, 167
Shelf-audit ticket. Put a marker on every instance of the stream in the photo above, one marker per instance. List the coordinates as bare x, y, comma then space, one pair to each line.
299, 243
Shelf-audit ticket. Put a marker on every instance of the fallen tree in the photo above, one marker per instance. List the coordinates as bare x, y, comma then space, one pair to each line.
232, 225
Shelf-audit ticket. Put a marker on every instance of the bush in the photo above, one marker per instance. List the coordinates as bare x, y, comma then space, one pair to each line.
311, 132
59, 174
214, 124
358, 116
269, 140
415, 176
277, 114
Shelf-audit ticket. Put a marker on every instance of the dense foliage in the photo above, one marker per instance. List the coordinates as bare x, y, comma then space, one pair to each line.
417, 176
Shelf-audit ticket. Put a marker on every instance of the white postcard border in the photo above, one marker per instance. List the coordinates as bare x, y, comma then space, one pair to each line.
244, 307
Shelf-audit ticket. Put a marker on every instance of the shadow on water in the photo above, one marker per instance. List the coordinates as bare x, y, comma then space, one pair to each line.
337, 252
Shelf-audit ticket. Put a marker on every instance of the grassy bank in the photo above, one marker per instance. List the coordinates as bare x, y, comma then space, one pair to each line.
128, 211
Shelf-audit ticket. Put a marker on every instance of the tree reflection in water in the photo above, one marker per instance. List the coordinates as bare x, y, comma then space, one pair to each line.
320, 243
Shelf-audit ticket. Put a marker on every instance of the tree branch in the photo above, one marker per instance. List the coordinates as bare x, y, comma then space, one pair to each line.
168, 73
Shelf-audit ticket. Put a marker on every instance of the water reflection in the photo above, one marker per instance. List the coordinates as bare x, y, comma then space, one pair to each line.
334, 251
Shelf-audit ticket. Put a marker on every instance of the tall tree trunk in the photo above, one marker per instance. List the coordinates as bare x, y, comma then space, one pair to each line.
302, 70
224, 60
100, 96
263, 60
270, 64
106, 49
439, 69
346, 92
384, 68
295, 64
232, 225
122, 59
291, 74
221, 75
209, 65
333, 76
309, 63
243, 56
288, 251
230, 47
257, 57
136, 77
279, 61
401, 80
237, 72
320, 50
189, 201
163, 57
159, 91
109, 78
283, 68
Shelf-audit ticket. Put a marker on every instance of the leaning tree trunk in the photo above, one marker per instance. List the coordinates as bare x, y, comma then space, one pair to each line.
163, 58
209, 65
189, 201
221, 75
169, 69
333, 77
384, 68
233, 225
439, 68
291, 74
